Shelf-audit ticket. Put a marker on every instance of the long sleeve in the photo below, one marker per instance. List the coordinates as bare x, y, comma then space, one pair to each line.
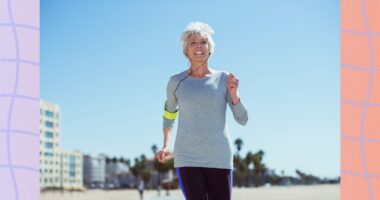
170, 107
239, 111
202, 136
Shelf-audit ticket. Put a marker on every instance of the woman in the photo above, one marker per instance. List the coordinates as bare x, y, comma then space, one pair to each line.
203, 148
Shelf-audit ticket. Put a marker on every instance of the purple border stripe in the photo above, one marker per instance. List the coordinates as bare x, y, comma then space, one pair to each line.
353, 32
20, 97
22, 132
359, 68
362, 104
21, 167
20, 60
359, 139
20, 26
359, 174
11, 123
365, 105
10, 111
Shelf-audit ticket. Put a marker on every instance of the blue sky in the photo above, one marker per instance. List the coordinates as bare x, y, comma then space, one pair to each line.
107, 63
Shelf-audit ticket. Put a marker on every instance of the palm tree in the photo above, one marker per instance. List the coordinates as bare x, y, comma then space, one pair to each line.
248, 168
108, 160
145, 174
138, 166
143, 158
248, 158
239, 173
260, 167
154, 149
239, 144
128, 162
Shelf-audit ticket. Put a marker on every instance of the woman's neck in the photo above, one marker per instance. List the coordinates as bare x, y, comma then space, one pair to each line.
199, 69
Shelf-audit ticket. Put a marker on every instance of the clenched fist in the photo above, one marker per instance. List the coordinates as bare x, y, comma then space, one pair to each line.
164, 155
232, 86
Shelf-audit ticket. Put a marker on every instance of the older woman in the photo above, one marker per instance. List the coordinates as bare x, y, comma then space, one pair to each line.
203, 148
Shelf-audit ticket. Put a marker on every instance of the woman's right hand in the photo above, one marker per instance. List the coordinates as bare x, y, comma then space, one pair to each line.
163, 155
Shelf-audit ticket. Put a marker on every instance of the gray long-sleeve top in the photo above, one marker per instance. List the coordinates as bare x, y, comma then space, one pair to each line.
202, 139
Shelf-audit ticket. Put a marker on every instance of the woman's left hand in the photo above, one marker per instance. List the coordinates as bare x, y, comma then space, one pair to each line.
232, 86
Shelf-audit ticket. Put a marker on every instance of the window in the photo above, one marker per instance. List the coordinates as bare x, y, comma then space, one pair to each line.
49, 145
48, 154
49, 124
49, 113
72, 159
49, 134
72, 166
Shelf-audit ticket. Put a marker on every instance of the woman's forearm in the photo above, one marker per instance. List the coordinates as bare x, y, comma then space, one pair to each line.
167, 137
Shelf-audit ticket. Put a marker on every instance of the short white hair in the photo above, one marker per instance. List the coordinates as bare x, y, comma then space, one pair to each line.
200, 28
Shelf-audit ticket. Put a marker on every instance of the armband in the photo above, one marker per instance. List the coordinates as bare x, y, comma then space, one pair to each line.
170, 116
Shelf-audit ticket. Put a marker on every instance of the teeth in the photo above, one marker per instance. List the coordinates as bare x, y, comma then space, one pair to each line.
199, 52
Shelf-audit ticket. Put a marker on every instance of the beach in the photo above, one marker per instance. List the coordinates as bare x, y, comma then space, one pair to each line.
313, 192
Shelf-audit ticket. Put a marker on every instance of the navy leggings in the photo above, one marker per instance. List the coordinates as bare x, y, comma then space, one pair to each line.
198, 183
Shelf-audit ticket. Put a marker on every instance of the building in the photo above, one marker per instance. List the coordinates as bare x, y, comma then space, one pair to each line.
94, 170
58, 170
113, 168
72, 170
118, 174
50, 158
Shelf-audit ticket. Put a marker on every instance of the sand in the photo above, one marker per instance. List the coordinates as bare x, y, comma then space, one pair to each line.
316, 192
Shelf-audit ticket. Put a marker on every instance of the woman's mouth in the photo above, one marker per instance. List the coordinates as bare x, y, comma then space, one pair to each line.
199, 53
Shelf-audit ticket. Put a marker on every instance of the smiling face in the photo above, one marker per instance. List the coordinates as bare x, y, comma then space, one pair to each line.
198, 48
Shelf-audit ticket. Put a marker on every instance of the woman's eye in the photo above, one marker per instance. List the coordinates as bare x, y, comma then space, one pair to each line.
192, 43
204, 42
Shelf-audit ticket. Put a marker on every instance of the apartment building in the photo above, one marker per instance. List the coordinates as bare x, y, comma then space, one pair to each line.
58, 169
50, 157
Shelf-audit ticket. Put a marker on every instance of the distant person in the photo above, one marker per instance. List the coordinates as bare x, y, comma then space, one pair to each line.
141, 187
158, 190
203, 147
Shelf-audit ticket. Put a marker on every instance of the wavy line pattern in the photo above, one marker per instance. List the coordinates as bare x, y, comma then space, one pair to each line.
359, 76
17, 110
